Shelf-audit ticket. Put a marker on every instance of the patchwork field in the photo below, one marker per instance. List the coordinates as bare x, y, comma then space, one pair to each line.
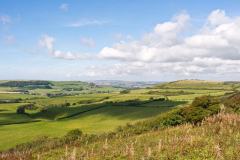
60, 108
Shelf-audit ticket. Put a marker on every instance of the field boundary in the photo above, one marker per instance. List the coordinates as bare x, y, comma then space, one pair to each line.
81, 112
7, 124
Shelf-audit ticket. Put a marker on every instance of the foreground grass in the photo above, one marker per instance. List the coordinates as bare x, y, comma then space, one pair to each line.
216, 138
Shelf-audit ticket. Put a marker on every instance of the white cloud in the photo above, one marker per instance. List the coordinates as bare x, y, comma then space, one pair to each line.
217, 41
86, 22
88, 42
47, 42
170, 49
172, 27
64, 7
218, 17
5, 19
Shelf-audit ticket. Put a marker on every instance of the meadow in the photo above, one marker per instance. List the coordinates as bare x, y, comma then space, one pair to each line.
93, 109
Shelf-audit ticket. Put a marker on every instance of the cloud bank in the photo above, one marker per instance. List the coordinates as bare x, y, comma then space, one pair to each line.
213, 49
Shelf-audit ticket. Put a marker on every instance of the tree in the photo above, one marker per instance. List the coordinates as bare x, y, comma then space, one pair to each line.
204, 102
21, 110
125, 91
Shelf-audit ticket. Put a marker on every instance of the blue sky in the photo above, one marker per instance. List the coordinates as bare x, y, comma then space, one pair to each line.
90, 39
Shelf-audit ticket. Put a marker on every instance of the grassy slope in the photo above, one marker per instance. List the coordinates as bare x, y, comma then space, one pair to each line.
196, 84
97, 121
217, 138
8, 114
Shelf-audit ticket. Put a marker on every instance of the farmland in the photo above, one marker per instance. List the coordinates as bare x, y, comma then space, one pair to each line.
65, 106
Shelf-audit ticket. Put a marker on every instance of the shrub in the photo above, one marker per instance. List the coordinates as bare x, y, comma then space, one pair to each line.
204, 102
151, 98
73, 134
125, 91
233, 102
21, 110
67, 104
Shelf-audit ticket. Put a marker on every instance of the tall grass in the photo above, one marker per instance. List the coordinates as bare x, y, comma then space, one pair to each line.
217, 137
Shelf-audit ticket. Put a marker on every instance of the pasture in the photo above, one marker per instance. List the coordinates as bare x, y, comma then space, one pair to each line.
95, 112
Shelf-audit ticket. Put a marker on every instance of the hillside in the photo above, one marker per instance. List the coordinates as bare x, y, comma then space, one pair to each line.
196, 84
50, 121
124, 84
53, 88
216, 138
207, 129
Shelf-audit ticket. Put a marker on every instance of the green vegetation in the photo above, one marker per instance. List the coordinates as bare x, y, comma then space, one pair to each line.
78, 114
25, 83
216, 138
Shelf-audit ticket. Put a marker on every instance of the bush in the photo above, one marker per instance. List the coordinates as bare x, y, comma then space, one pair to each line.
67, 104
74, 134
233, 102
151, 98
204, 102
125, 92
21, 110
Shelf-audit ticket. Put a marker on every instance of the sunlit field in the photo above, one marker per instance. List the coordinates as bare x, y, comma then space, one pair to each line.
93, 113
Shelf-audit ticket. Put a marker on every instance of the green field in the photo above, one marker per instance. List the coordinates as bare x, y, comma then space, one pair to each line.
93, 109
90, 122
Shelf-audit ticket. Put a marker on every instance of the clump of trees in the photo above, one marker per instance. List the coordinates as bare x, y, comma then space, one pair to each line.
21, 109
204, 102
125, 91
52, 95
29, 84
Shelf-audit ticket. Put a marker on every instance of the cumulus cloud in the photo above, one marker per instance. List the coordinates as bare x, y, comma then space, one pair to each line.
164, 39
170, 48
47, 42
64, 7
88, 42
216, 43
218, 17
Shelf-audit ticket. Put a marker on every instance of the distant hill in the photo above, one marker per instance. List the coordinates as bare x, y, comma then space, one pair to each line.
125, 84
27, 84
198, 84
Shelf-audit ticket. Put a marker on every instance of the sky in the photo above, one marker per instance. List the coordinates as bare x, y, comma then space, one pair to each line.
137, 40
